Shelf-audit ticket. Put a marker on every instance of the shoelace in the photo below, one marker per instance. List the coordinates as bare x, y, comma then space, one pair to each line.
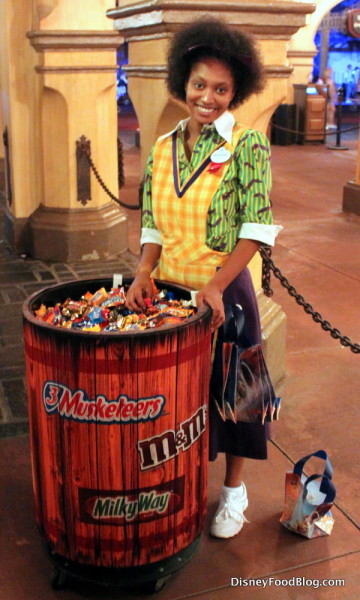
229, 510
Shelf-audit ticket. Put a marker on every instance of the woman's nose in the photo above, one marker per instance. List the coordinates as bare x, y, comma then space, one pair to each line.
208, 95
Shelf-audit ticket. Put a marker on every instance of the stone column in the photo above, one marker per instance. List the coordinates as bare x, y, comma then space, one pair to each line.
64, 89
302, 63
148, 26
77, 70
302, 48
19, 123
2, 153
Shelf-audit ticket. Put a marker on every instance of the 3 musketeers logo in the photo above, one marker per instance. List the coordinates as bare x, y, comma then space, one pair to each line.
77, 406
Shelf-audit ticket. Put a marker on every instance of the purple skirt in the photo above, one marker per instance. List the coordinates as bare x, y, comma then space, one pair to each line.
240, 439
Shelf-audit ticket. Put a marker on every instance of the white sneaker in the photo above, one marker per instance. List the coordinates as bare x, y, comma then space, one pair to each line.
229, 518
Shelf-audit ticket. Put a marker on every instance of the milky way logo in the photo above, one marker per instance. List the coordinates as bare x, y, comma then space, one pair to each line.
77, 406
109, 507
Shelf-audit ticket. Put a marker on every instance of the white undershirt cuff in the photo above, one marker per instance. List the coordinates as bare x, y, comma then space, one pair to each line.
260, 232
150, 236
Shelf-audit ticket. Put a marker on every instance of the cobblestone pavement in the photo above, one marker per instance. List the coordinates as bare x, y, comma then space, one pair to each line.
19, 278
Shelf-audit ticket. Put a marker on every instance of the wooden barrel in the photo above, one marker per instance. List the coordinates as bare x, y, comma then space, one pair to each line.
118, 428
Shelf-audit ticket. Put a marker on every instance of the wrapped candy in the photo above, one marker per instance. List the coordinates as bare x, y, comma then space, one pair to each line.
106, 311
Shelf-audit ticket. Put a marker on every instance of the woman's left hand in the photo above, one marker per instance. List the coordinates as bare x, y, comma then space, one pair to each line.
212, 296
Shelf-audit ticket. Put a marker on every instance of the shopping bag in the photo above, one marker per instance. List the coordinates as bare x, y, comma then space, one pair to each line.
308, 500
240, 384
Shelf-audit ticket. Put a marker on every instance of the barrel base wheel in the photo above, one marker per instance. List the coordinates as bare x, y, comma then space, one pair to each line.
149, 578
60, 579
153, 587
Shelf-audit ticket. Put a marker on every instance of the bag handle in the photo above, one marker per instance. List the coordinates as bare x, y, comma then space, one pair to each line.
328, 470
233, 325
326, 487
228, 336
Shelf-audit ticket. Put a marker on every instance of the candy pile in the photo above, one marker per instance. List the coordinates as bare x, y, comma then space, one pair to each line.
106, 311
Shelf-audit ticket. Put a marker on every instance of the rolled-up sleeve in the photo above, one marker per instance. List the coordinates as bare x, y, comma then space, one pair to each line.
254, 189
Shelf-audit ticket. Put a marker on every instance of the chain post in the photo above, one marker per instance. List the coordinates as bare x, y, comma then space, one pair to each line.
85, 148
338, 145
121, 176
83, 180
265, 253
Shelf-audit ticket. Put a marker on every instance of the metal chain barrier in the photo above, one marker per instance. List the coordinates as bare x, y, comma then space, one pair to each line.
265, 252
330, 132
268, 266
84, 148
120, 149
87, 152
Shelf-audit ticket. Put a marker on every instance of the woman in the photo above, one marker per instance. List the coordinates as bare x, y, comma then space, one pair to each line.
206, 210
331, 99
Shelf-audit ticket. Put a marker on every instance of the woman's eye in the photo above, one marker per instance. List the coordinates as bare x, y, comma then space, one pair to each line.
198, 85
221, 90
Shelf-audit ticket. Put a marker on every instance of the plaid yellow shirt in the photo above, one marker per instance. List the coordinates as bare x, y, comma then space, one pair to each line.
243, 194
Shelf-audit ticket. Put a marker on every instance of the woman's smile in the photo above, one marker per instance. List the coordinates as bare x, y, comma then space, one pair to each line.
204, 109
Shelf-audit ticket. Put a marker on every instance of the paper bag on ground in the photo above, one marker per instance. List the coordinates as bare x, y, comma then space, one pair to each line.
308, 500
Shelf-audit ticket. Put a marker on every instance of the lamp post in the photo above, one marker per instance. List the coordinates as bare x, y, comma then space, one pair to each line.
338, 145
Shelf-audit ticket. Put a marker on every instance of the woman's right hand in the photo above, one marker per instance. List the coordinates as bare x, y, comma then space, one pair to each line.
140, 289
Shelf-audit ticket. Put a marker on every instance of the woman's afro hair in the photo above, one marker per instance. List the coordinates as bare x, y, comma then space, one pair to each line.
212, 38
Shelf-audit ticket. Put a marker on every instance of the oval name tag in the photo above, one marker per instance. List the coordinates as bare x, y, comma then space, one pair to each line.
220, 155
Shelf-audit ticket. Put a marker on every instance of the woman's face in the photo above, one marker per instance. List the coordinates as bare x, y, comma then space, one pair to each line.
209, 90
